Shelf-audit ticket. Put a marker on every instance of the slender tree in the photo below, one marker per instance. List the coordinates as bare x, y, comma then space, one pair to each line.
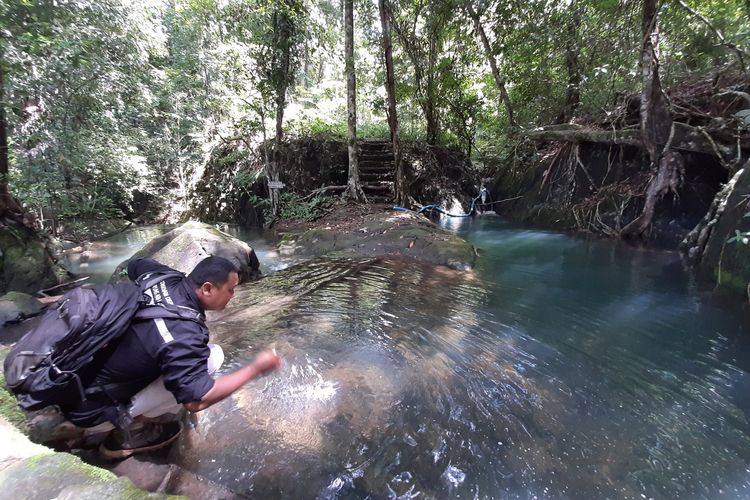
6, 202
353, 188
281, 63
499, 80
421, 29
572, 51
282, 30
390, 88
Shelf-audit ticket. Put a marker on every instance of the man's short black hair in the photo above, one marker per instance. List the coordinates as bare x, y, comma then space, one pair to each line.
212, 269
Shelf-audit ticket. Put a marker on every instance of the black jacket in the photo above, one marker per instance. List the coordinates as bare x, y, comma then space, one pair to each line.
175, 349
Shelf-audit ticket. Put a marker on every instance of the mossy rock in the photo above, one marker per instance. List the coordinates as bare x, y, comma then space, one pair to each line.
26, 263
401, 234
726, 257
62, 475
550, 216
9, 408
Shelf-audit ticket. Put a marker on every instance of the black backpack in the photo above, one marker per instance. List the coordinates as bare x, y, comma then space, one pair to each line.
43, 368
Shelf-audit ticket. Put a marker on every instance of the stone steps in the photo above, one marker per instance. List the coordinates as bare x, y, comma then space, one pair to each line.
376, 165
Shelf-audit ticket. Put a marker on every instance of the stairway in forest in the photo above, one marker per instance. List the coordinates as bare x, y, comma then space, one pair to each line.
376, 170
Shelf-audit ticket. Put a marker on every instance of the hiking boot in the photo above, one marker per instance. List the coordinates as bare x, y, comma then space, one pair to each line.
147, 438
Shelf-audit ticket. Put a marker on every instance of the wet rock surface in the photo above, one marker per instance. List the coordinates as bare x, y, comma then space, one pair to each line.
719, 247
383, 233
168, 478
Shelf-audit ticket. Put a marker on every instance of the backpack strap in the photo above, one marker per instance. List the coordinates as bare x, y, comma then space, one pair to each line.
151, 278
169, 312
153, 311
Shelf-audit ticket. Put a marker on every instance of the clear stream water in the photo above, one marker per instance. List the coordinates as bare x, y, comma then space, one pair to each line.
561, 368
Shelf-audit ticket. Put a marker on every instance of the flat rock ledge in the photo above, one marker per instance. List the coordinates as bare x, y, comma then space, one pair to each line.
402, 234
34, 471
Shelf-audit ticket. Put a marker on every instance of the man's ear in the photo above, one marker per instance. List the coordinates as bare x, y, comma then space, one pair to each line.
207, 288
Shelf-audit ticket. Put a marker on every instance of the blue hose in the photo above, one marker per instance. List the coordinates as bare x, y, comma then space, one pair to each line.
442, 211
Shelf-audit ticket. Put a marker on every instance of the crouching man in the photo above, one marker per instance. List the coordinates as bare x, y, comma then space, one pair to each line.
138, 383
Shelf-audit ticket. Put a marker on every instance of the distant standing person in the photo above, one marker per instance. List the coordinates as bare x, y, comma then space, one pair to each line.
160, 365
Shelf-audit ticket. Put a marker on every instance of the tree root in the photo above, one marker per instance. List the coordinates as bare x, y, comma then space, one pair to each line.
667, 179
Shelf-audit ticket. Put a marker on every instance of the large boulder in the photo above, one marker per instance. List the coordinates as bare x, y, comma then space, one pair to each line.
719, 247
185, 246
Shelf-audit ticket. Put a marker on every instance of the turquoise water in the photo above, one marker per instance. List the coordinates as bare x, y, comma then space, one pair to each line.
561, 368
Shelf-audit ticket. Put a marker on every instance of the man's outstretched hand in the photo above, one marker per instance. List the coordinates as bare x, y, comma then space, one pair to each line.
267, 361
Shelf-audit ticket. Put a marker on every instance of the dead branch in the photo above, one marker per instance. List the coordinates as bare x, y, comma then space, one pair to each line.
43, 293
715, 147
735, 93
686, 138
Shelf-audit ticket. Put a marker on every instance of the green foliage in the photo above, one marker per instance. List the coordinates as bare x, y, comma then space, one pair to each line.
316, 127
243, 181
374, 131
107, 99
295, 207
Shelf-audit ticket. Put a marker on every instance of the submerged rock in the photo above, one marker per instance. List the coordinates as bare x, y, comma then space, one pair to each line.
171, 479
387, 233
185, 246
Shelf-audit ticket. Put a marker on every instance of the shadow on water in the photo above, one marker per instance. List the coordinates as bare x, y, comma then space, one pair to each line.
562, 368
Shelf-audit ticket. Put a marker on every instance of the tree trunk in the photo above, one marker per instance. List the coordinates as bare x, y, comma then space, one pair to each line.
3, 137
8, 205
430, 112
657, 129
683, 137
282, 45
573, 92
353, 189
424, 75
390, 87
499, 81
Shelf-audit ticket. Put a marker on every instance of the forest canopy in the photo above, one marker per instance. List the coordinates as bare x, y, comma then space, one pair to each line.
104, 101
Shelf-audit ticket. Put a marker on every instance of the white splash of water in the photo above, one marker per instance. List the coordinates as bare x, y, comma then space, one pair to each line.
301, 388
453, 476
